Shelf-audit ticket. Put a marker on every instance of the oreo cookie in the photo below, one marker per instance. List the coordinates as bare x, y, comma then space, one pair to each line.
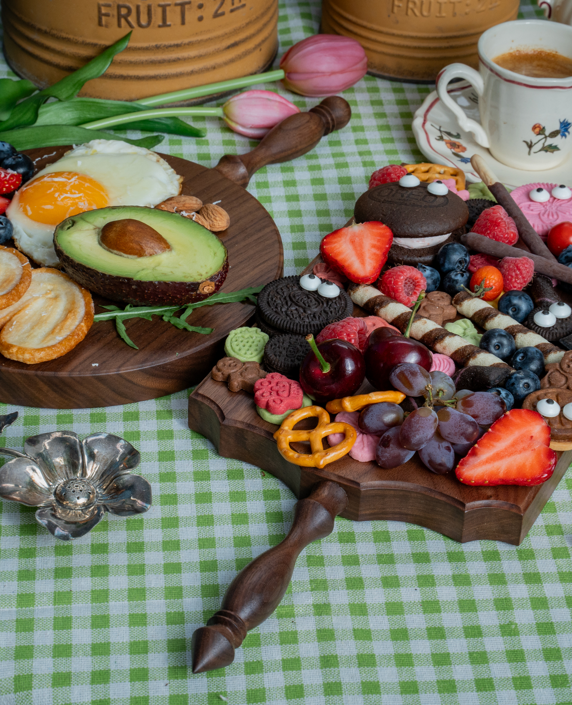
285, 353
284, 307
541, 320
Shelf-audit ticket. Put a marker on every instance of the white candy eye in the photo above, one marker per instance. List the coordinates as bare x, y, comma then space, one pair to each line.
437, 188
567, 411
310, 282
560, 309
328, 290
562, 193
544, 319
539, 195
409, 181
549, 408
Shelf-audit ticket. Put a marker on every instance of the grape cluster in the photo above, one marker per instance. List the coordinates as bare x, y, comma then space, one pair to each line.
444, 423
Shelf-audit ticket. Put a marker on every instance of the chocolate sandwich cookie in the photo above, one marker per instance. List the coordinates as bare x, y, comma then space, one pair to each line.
285, 307
422, 217
555, 406
285, 353
552, 323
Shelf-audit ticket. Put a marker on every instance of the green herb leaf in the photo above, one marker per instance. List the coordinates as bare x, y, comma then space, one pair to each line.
26, 112
183, 325
123, 333
56, 135
11, 92
223, 297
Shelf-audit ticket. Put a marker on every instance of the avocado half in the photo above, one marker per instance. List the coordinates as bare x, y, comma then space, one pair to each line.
141, 255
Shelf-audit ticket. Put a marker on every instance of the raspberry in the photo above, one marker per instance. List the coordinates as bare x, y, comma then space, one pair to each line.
352, 330
387, 174
9, 180
516, 272
478, 261
402, 284
496, 224
4, 203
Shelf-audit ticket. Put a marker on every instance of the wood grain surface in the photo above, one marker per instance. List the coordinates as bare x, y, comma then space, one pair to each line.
102, 370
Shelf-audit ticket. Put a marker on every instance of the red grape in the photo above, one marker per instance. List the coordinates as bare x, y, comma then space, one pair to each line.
485, 408
418, 428
462, 393
377, 418
438, 455
409, 378
389, 452
456, 427
463, 448
443, 386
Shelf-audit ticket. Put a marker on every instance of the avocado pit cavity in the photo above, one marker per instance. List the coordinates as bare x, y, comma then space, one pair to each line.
132, 238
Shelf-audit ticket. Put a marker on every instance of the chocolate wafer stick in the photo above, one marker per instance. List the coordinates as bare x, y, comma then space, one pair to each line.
527, 233
486, 246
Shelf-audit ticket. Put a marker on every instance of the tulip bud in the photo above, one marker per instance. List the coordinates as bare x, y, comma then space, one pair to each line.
323, 64
254, 113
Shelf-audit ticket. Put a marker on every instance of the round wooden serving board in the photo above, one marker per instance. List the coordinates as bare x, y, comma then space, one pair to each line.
103, 370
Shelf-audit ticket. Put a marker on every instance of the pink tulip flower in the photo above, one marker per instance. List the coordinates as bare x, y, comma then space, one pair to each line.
254, 113
323, 65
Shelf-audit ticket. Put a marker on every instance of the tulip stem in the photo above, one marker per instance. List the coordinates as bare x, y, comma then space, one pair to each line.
326, 367
413, 312
150, 115
212, 88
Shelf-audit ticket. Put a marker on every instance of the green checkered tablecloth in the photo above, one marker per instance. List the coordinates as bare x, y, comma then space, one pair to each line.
378, 612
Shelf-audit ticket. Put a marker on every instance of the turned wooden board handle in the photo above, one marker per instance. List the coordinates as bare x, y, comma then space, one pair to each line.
291, 138
258, 589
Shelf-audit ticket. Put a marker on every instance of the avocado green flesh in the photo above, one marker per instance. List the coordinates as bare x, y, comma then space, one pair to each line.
196, 254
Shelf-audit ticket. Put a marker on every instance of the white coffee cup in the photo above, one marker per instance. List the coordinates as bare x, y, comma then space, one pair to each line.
526, 122
557, 10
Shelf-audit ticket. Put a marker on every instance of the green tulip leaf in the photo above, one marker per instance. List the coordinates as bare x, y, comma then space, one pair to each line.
11, 92
58, 135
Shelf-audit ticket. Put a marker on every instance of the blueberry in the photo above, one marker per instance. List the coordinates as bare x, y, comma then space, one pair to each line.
453, 282
498, 342
452, 257
20, 163
522, 383
5, 229
6, 150
565, 257
516, 304
432, 277
504, 394
530, 359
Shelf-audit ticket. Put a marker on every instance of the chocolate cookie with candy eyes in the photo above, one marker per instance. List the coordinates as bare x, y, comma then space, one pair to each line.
559, 374
552, 323
555, 406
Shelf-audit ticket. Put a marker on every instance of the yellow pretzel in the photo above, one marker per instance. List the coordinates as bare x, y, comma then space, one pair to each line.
357, 403
430, 172
319, 457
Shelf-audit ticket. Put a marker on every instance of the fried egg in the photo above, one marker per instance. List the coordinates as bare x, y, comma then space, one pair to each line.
98, 174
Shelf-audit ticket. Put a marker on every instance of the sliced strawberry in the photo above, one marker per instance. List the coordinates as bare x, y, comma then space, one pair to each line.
359, 251
514, 451
4, 203
9, 180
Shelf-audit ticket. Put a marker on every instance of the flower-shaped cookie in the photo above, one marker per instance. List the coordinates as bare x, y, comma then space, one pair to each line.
246, 344
363, 450
278, 394
74, 482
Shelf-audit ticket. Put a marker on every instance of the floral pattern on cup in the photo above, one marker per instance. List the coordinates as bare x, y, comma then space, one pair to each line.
540, 131
451, 140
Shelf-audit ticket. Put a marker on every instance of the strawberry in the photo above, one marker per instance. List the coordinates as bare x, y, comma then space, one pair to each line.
402, 284
514, 451
517, 272
9, 180
4, 203
387, 174
358, 251
496, 224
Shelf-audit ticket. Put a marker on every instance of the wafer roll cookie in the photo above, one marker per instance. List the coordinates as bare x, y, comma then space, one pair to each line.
425, 331
486, 316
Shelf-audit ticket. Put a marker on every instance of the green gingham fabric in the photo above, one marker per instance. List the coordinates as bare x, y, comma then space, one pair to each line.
378, 612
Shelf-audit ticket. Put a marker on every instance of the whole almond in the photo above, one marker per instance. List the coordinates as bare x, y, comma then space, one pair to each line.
213, 218
181, 204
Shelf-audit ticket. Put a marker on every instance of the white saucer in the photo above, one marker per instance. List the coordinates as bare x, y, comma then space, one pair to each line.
434, 126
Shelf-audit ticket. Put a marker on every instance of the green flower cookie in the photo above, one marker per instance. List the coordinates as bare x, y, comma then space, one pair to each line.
278, 418
479, 190
246, 344
465, 329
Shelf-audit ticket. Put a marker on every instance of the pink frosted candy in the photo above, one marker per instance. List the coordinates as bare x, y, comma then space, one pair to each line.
451, 184
443, 363
363, 450
373, 322
542, 216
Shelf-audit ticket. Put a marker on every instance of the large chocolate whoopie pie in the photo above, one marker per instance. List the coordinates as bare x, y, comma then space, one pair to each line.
423, 218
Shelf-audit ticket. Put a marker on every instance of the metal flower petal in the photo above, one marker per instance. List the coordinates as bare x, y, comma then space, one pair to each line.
128, 495
66, 530
59, 455
22, 480
108, 457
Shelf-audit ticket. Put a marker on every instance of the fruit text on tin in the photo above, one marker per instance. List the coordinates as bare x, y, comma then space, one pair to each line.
441, 8
163, 14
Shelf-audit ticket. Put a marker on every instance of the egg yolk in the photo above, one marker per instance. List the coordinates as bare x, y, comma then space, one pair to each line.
54, 197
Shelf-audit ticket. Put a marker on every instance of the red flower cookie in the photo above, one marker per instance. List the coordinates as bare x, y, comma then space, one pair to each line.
278, 394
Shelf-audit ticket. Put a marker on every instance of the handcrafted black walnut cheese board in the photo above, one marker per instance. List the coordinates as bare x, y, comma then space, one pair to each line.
102, 370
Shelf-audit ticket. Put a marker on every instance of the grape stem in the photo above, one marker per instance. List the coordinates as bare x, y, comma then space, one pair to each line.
413, 312
430, 401
326, 367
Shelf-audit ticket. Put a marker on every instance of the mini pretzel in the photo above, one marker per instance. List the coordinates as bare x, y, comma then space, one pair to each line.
319, 457
357, 403
431, 172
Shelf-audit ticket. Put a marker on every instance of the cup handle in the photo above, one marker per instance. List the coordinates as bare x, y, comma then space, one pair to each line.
475, 79
546, 6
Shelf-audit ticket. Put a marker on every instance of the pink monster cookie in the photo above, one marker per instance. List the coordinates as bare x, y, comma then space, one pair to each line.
542, 215
277, 394
442, 363
363, 450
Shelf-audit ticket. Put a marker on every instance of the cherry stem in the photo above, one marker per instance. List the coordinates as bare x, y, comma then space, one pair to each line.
413, 312
326, 367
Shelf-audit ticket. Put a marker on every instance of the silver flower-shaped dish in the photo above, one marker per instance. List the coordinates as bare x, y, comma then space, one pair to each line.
74, 482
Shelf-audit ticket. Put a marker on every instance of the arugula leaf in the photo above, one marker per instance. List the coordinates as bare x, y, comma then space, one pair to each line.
225, 298
183, 325
56, 135
26, 112
123, 333
12, 91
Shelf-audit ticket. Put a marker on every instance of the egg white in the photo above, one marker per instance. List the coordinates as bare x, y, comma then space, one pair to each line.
131, 175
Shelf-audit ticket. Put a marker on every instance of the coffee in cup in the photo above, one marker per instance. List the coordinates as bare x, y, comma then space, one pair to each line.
539, 63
